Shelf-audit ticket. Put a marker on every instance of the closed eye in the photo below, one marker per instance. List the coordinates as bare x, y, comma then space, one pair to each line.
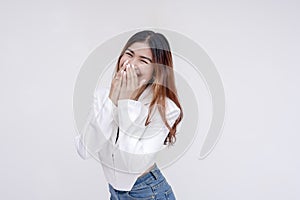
128, 53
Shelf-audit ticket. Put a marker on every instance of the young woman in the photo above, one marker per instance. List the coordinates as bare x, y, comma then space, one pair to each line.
135, 118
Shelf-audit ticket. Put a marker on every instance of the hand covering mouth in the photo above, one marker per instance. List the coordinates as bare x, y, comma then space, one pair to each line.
137, 73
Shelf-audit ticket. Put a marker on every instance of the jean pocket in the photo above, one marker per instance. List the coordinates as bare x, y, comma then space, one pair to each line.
141, 194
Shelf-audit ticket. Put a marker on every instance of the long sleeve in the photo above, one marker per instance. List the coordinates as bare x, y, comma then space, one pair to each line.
100, 124
134, 136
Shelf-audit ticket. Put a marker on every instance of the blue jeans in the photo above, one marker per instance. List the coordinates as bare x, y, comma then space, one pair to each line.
151, 185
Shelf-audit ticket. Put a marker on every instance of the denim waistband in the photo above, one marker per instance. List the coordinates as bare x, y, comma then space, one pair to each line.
153, 174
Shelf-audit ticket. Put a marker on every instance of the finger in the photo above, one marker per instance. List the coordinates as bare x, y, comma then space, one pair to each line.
122, 69
129, 77
119, 73
124, 80
115, 90
122, 86
118, 86
124, 66
119, 79
125, 63
130, 81
134, 77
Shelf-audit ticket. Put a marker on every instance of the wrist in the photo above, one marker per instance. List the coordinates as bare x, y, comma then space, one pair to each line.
113, 101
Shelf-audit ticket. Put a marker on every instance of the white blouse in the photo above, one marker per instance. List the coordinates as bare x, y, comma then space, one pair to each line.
125, 159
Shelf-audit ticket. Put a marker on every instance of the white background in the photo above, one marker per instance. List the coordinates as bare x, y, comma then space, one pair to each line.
254, 45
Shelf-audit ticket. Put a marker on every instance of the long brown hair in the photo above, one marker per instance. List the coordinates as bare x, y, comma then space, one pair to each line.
163, 81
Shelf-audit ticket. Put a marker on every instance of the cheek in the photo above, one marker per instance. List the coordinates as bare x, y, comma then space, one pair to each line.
147, 72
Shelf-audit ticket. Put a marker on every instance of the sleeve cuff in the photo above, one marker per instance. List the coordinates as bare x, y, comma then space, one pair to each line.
114, 110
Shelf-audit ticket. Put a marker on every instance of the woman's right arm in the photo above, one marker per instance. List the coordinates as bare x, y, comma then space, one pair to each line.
99, 126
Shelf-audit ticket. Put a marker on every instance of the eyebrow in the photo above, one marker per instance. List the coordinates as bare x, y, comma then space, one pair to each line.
140, 56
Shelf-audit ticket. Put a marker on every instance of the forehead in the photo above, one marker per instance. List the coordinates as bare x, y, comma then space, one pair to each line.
141, 49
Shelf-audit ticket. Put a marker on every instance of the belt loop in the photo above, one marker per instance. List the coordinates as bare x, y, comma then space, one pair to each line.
154, 172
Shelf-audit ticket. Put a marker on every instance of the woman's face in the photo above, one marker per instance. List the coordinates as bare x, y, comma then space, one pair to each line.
139, 55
